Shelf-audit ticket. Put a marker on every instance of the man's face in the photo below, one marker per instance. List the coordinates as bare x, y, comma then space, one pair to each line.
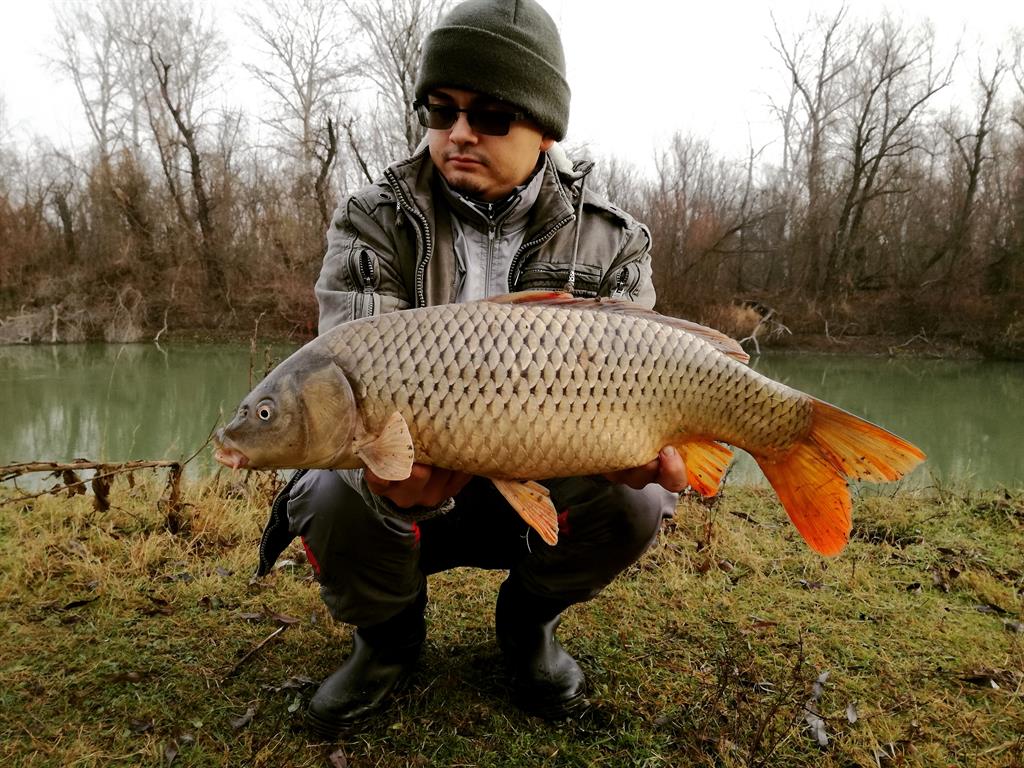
482, 166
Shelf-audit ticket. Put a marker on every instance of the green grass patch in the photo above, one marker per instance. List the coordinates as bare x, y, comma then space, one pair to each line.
729, 644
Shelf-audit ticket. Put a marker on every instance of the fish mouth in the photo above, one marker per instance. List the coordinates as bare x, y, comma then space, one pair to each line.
231, 457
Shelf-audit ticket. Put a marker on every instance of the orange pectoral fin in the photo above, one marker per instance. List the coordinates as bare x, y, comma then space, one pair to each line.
706, 462
533, 503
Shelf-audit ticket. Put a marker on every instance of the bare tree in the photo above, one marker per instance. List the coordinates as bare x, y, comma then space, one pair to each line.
87, 44
970, 153
697, 207
184, 49
816, 61
306, 68
394, 33
308, 73
891, 81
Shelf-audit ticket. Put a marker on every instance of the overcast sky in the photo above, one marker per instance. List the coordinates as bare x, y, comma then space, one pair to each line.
639, 71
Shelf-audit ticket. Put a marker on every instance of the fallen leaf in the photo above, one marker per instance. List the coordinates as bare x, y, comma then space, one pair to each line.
991, 608
79, 603
816, 724
810, 584
819, 686
78, 548
284, 563
1015, 626
240, 722
252, 616
282, 618
994, 678
127, 677
294, 706
223, 572
160, 605
726, 566
291, 683
101, 492
175, 746
139, 727
851, 712
338, 759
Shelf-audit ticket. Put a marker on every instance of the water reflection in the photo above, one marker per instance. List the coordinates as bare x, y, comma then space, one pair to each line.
122, 402
117, 402
968, 416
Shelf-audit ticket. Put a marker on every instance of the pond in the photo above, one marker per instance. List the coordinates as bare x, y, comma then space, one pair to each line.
121, 402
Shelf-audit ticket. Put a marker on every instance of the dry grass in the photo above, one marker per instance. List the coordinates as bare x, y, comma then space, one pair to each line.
121, 644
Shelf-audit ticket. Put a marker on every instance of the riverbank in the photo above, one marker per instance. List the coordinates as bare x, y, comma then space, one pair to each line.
883, 324
729, 644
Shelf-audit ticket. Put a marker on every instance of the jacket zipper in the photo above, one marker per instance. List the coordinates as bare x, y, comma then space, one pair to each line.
369, 283
513, 272
428, 243
491, 232
620, 285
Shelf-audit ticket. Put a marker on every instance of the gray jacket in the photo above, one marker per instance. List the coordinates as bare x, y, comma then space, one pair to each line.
390, 244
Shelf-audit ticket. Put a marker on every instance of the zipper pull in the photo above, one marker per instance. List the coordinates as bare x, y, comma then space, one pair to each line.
620, 285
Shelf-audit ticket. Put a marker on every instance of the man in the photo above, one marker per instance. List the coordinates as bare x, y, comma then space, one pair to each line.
490, 205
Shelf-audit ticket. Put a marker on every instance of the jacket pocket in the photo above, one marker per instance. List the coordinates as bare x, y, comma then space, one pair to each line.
552, 276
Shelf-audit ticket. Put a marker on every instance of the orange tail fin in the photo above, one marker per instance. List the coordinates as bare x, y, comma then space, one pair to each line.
811, 479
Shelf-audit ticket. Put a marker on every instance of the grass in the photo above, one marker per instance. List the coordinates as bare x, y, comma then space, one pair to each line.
124, 644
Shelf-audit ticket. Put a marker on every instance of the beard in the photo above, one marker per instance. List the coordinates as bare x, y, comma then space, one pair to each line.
467, 185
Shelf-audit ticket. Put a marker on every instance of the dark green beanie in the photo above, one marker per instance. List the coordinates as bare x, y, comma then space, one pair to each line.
506, 49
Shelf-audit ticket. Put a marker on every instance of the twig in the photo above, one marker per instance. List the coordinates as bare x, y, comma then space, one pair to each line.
114, 469
11, 471
252, 346
156, 339
254, 651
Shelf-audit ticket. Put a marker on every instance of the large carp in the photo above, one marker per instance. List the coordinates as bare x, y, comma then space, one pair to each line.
539, 385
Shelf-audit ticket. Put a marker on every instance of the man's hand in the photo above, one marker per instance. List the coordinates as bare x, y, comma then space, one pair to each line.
426, 487
667, 470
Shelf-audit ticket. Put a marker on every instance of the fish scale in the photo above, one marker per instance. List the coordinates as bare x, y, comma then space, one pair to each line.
602, 373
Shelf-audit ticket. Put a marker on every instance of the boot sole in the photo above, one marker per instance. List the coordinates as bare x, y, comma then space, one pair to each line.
570, 708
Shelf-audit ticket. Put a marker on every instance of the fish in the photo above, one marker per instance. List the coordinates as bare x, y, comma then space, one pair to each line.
537, 385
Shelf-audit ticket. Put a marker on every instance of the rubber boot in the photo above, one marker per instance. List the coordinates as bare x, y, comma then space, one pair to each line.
382, 661
546, 680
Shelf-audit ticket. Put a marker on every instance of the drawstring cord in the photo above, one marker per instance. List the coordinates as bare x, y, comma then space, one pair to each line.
571, 282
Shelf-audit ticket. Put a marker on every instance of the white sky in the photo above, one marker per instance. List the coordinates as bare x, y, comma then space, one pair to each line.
639, 70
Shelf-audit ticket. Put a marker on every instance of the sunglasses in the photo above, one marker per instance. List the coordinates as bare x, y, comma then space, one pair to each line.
489, 122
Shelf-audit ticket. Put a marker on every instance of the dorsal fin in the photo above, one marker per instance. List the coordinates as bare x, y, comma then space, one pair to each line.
716, 339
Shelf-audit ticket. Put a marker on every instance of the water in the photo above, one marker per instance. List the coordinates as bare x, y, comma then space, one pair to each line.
123, 402
110, 402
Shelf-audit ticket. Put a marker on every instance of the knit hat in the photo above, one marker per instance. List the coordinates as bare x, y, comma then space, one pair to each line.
506, 49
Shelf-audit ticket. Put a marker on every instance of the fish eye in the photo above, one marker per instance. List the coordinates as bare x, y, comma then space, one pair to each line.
264, 411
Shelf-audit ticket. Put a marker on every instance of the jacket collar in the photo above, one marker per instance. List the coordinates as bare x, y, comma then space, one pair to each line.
511, 212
